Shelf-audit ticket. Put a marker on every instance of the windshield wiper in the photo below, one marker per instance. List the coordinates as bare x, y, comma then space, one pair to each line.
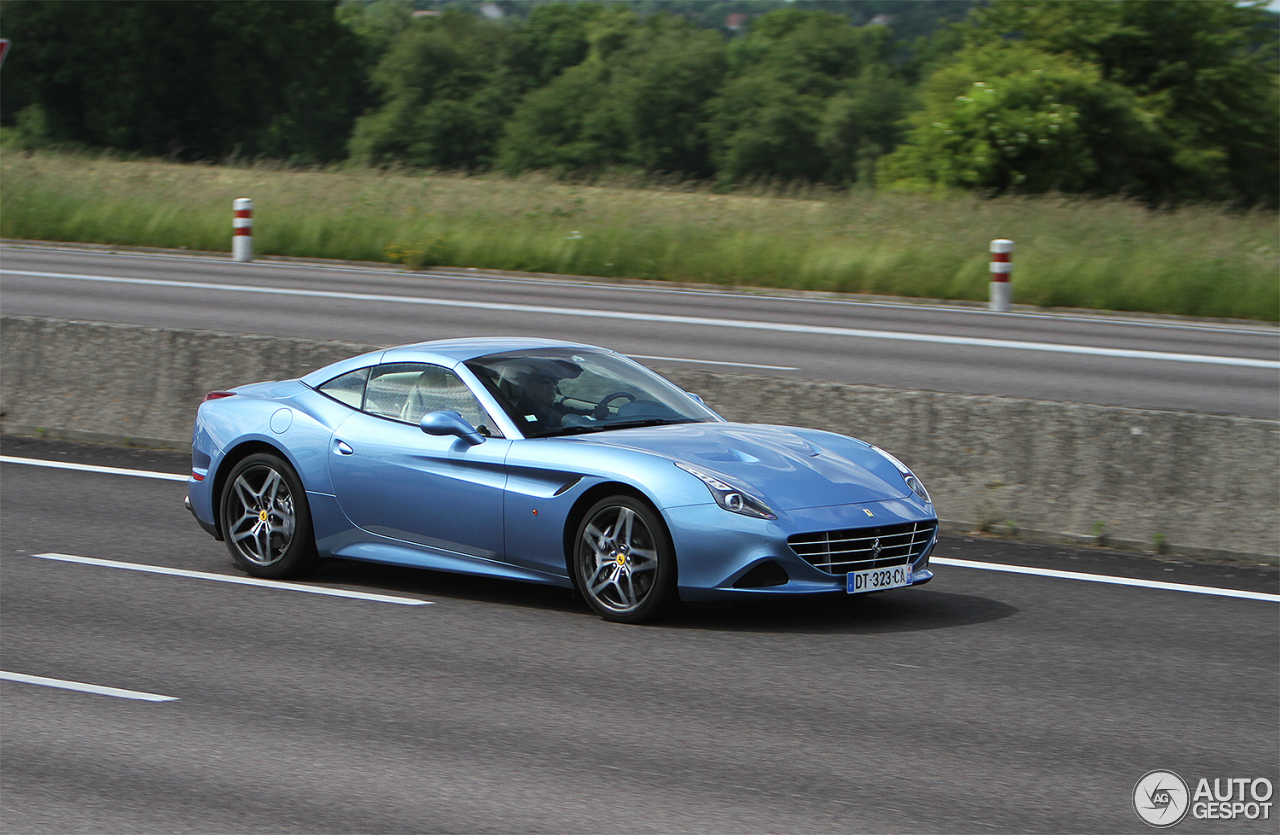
592, 428
573, 430
639, 422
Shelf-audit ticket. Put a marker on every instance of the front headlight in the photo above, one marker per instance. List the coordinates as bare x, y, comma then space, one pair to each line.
729, 497
916, 485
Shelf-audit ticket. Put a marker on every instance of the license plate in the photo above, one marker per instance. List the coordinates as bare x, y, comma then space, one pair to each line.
879, 579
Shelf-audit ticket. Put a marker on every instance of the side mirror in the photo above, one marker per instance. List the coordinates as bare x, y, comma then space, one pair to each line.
698, 399
450, 423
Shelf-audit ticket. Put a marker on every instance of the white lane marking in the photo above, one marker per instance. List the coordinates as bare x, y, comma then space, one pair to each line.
716, 362
987, 566
90, 468
1104, 578
700, 321
764, 294
240, 581
85, 688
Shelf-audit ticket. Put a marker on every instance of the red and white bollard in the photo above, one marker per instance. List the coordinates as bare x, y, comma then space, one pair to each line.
1001, 270
242, 230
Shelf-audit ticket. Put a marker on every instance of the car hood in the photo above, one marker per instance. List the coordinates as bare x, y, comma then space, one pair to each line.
789, 468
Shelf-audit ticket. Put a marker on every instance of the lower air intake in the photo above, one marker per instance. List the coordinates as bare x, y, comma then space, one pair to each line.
763, 576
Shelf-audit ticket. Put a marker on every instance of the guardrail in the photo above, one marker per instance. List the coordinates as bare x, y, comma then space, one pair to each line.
1171, 482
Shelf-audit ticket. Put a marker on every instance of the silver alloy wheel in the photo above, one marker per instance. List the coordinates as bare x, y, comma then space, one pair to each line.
265, 516
621, 558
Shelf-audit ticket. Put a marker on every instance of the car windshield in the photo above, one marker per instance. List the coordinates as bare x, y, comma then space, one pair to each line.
563, 391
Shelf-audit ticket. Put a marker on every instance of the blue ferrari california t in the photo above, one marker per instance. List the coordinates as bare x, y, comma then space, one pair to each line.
548, 462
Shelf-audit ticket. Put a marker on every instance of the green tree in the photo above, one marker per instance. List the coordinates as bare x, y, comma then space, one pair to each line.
1008, 117
191, 79
659, 87
447, 85
563, 127
808, 97
1203, 74
376, 23
635, 100
861, 123
556, 37
762, 126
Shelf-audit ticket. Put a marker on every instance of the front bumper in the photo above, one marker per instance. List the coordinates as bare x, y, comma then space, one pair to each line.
726, 555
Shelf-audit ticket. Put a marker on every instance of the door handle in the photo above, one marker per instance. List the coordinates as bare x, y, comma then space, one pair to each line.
343, 448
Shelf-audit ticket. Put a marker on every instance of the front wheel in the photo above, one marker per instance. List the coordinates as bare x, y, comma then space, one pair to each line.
623, 562
266, 522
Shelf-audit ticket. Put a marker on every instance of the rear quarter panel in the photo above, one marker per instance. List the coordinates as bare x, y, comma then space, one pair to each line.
289, 417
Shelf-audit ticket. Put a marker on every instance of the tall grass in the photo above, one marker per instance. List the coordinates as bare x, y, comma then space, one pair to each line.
1110, 254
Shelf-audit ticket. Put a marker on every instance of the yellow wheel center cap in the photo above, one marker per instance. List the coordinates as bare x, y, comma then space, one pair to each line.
262, 516
620, 558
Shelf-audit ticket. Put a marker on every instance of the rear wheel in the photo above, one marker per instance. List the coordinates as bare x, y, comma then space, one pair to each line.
623, 562
266, 522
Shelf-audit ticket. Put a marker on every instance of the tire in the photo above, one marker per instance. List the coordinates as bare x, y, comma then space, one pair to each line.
266, 522
623, 561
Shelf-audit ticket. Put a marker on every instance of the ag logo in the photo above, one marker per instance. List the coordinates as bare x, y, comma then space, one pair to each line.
1161, 798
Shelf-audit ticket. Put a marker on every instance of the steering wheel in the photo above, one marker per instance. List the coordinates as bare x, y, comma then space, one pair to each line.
602, 408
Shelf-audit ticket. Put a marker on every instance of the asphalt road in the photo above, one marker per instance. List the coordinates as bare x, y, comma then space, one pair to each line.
983, 702
1150, 363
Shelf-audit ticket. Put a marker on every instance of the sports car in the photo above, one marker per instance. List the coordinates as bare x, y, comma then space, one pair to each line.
548, 462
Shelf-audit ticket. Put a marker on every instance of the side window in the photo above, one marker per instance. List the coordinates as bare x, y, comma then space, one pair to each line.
408, 390
347, 389
389, 388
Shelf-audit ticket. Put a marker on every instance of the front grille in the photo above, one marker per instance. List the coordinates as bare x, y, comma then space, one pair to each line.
839, 552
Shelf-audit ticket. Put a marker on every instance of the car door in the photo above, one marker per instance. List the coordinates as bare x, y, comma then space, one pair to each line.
392, 479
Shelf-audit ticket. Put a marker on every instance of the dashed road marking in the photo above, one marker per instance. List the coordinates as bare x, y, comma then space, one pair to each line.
240, 581
81, 687
1105, 578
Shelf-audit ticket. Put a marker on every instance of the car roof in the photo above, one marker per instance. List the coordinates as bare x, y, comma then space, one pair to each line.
447, 352
466, 348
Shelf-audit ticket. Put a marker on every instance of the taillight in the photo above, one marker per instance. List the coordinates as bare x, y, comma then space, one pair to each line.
217, 395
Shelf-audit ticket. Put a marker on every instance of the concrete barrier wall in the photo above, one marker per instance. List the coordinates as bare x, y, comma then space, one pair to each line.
1179, 482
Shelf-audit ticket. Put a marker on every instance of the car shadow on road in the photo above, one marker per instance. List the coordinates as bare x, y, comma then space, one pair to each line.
396, 579
907, 610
